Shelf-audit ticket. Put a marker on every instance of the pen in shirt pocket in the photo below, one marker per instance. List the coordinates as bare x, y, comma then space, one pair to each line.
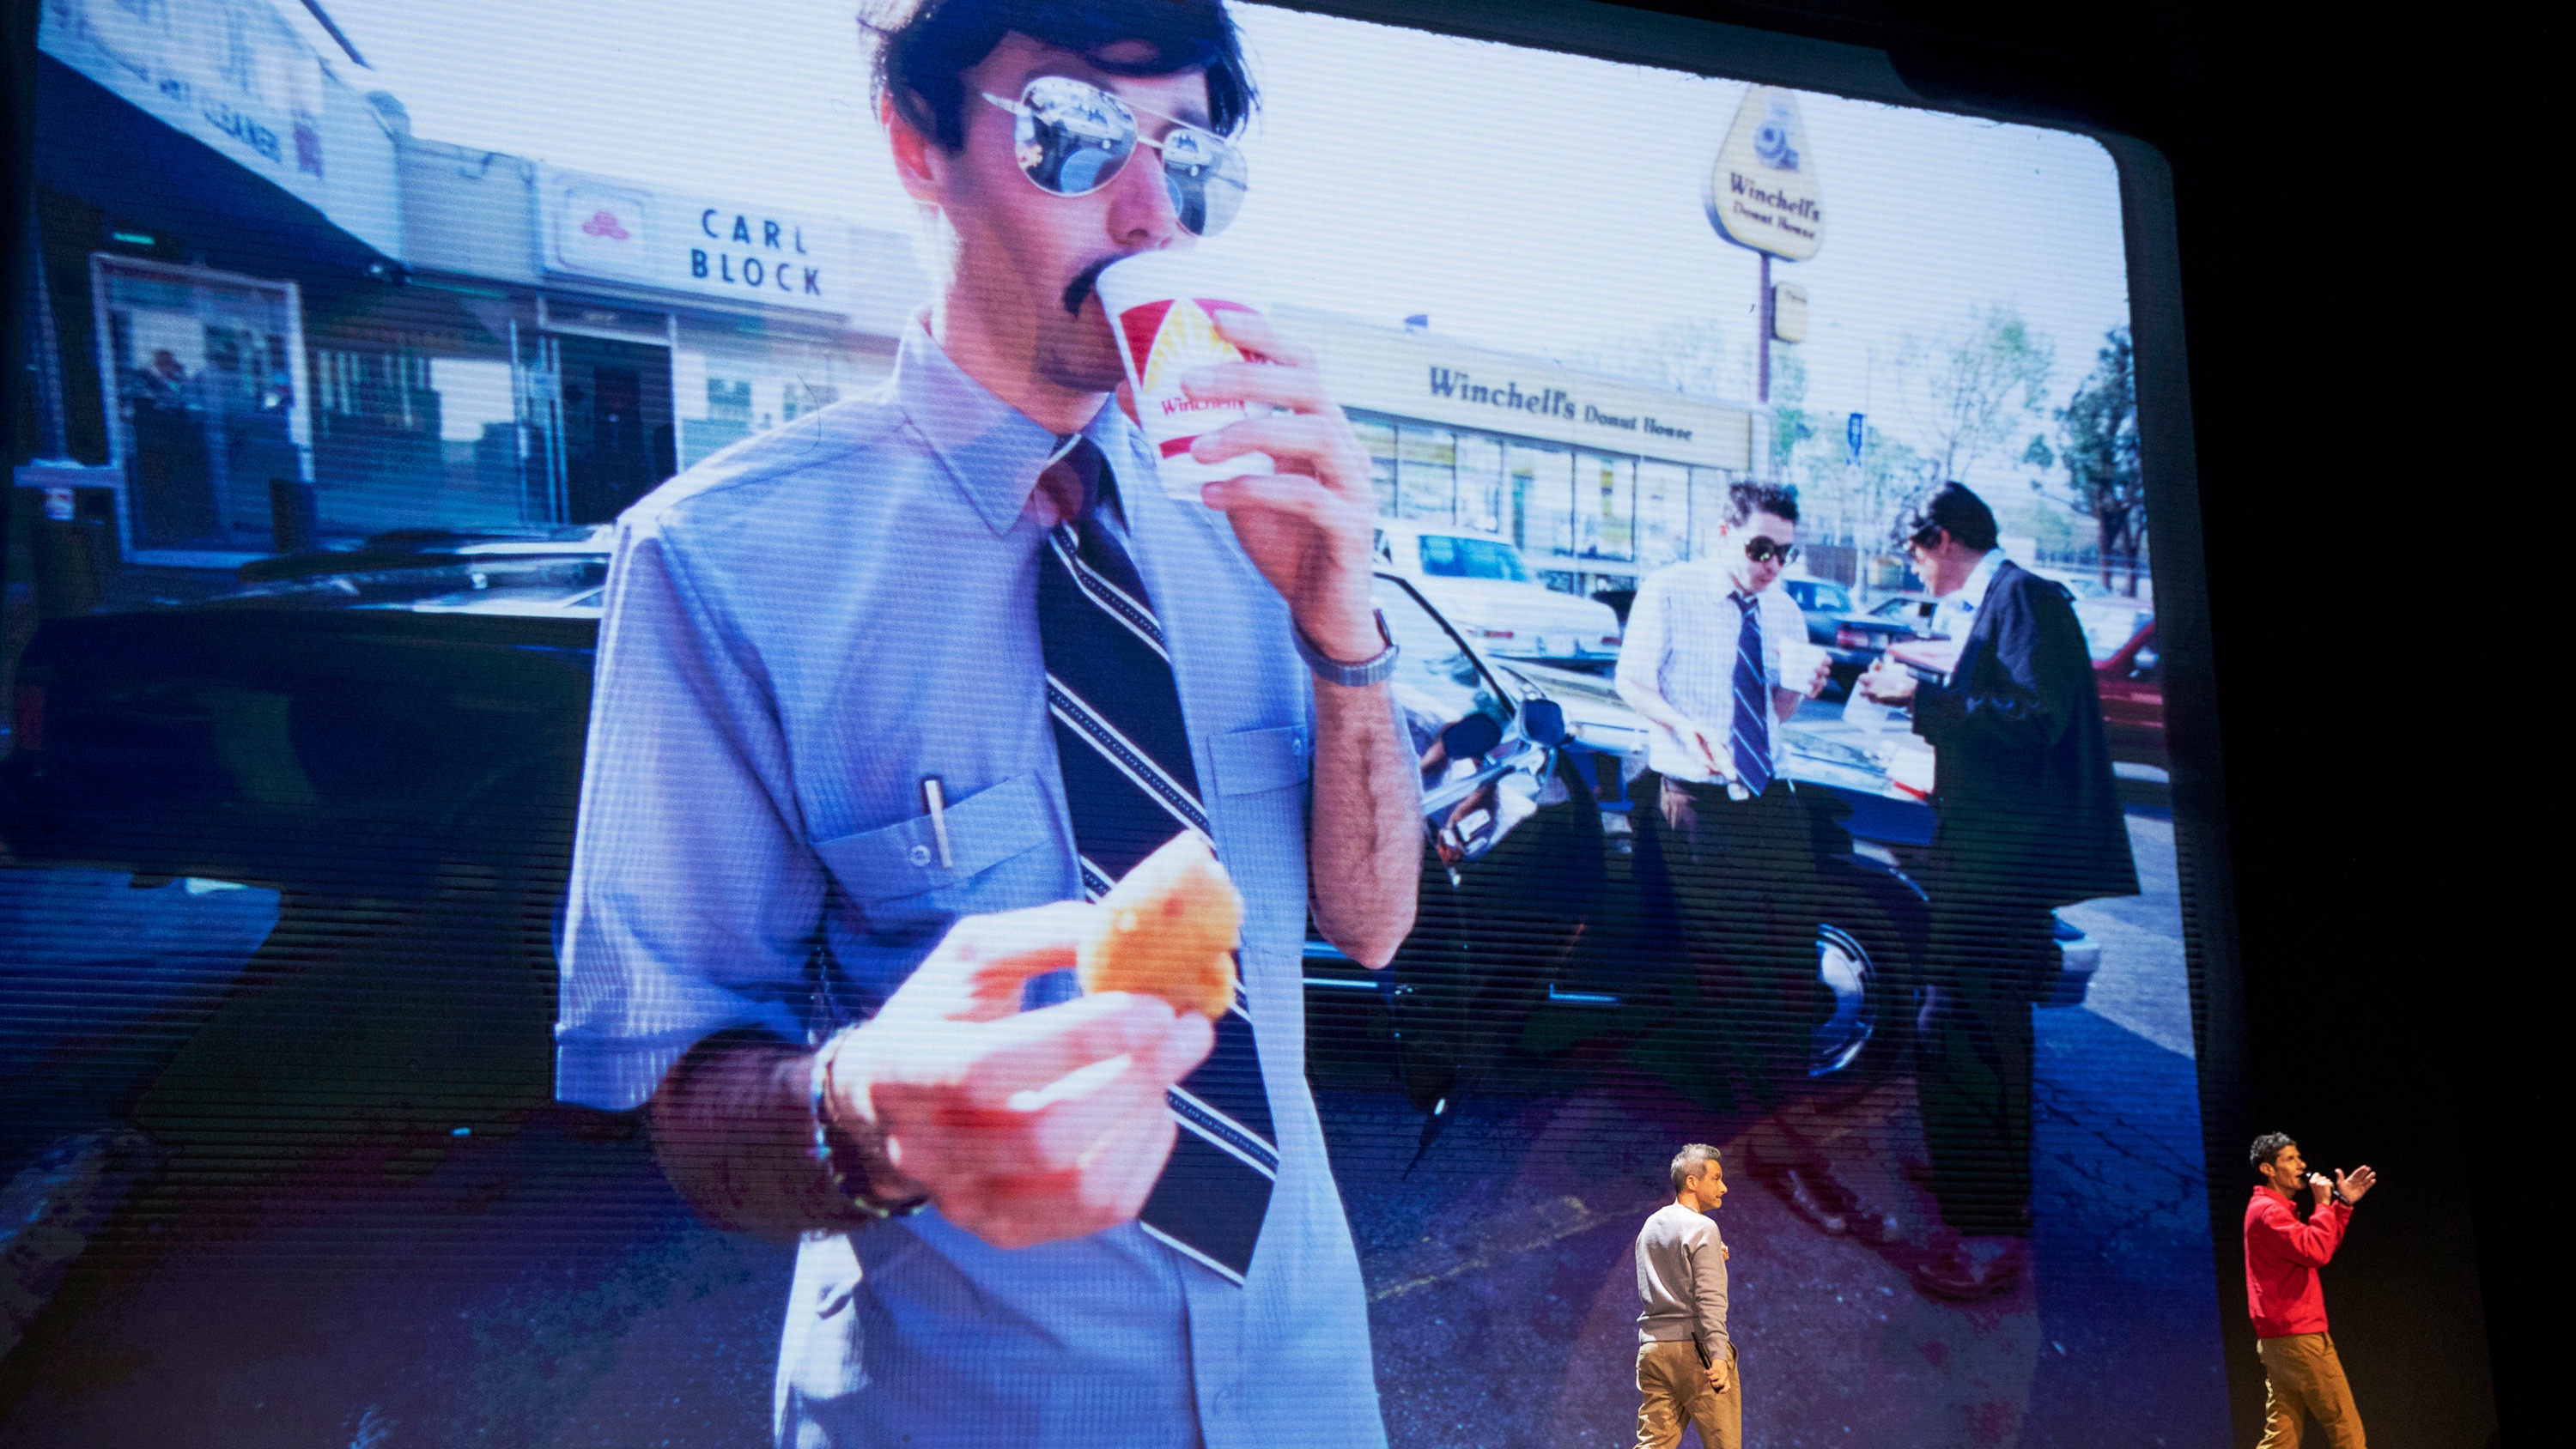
934, 798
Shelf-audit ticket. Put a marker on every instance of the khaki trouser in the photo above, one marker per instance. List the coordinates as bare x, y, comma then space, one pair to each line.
2303, 1379
1673, 1390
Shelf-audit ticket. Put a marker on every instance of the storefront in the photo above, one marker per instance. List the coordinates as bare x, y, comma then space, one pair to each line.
285, 320
567, 341
1595, 480
279, 319
205, 178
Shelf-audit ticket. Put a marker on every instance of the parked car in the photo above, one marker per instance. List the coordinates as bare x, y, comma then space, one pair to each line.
2082, 586
1852, 640
398, 749
1484, 587
2121, 635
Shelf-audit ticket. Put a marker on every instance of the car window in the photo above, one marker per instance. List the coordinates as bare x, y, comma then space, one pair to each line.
1437, 681
2109, 625
1815, 594
1447, 557
1487, 559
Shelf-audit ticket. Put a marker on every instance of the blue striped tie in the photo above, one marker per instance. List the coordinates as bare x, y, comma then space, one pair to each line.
1128, 780
1751, 736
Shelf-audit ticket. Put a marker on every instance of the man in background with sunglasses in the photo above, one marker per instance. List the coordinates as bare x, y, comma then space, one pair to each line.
885, 693
1723, 847
2029, 819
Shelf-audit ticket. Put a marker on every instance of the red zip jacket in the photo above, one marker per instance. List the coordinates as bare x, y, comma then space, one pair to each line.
2282, 1256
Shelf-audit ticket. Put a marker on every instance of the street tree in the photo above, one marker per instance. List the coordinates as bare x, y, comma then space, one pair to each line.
2098, 444
1976, 387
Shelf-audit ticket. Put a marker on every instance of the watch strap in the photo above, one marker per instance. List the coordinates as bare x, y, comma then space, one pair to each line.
838, 1154
1377, 669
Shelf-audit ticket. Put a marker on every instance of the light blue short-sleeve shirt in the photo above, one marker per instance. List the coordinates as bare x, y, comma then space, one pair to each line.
798, 631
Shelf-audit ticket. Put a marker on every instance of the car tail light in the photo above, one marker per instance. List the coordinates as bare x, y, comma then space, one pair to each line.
1848, 637
28, 717
1609, 641
1491, 633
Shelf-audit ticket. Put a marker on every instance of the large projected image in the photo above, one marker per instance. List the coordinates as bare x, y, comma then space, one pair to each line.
687, 767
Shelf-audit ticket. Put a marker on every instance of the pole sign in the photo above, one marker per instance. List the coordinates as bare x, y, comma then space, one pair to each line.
1762, 194
1853, 435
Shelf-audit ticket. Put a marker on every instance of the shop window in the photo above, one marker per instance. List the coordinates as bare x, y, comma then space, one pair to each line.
1379, 439
406, 440
1542, 497
205, 370
1663, 513
1707, 507
1427, 474
1606, 500
1482, 486
799, 398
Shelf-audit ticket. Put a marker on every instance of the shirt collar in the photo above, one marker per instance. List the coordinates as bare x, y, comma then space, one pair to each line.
1973, 592
991, 448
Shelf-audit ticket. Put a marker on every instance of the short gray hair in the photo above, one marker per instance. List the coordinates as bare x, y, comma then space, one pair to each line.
1684, 1160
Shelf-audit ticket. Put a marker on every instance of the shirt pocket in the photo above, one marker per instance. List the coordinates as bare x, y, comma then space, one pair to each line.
904, 893
1248, 762
1260, 805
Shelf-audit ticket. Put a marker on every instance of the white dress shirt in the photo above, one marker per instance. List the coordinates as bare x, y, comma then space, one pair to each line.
1680, 643
1959, 610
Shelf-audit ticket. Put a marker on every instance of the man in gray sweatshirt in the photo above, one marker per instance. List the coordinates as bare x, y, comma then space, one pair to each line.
1685, 1363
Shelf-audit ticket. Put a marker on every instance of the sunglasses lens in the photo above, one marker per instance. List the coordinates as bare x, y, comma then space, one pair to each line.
1206, 177
1071, 138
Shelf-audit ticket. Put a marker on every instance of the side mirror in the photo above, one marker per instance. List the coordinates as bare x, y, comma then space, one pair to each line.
2142, 665
1543, 720
1475, 735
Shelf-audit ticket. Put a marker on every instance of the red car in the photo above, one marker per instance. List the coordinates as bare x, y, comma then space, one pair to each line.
2121, 633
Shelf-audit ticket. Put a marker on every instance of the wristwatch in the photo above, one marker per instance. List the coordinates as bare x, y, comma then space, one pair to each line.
837, 1153
1377, 669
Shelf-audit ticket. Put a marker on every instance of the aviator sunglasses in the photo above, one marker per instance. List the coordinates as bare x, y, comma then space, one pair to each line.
1763, 550
1073, 139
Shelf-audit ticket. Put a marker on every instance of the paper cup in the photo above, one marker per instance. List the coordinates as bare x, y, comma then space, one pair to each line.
1798, 663
1162, 308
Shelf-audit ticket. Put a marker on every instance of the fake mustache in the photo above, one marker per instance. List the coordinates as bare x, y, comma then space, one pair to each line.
1079, 290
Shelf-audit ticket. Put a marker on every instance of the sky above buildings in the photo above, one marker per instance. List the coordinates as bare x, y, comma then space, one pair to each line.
1543, 203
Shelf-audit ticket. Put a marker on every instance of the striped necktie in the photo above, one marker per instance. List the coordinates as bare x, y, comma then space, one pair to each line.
1129, 783
1751, 735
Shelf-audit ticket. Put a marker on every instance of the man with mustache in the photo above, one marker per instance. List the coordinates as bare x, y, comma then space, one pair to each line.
885, 694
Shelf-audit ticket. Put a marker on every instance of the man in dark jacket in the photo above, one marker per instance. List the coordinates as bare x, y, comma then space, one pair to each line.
2029, 820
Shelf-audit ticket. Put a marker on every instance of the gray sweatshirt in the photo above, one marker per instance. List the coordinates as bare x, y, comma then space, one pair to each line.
1681, 1274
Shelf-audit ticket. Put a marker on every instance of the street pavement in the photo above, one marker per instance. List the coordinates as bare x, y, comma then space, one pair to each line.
535, 1283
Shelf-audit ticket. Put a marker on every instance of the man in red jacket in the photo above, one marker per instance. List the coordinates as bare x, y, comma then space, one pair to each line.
2302, 1378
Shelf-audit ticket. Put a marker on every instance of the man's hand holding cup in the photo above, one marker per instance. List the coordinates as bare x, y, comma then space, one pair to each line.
1245, 426
1888, 682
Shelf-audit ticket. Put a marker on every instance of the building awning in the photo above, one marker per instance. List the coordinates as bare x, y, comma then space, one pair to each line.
93, 145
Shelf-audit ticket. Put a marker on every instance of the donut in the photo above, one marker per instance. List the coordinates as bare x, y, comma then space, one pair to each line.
1168, 929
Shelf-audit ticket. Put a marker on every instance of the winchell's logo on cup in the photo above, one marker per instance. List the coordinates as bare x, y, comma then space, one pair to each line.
1163, 309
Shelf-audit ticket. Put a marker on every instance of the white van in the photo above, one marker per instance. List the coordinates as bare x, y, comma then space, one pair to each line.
1482, 586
